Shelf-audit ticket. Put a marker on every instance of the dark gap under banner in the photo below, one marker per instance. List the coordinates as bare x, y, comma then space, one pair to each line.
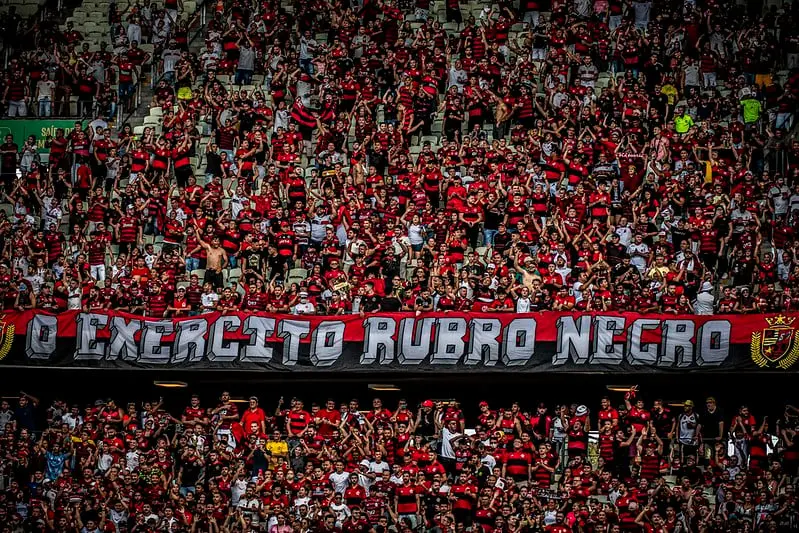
469, 342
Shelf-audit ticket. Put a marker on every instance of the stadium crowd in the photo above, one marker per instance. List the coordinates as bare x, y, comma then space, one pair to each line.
335, 468
322, 157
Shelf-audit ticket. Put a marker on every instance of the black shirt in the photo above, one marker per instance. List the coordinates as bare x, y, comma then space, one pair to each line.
370, 303
191, 473
501, 241
8, 158
24, 417
710, 424
390, 304
213, 164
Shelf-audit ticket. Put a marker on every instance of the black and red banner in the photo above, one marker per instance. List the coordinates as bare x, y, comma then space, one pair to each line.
477, 342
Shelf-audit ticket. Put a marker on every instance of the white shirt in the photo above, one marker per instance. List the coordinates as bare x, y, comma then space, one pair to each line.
691, 74
704, 303
306, 47
577, 291
72, 421
641, 10
446, 446
351, 250
53, 215
378, 468
237, 489
780, 201
105, 461
489, 461
341, 511
625, 235
638, 261
306, 308
415, 234
298, 502
457, 78
117, 517
98, 123
132, 458
740, 219
45, 88
250, 507
74, 297
281, 119
170, 58
209, 300
209, 59
339, 481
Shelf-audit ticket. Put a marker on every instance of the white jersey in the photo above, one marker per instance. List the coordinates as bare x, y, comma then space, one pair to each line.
339, 481
638, 261
446, 446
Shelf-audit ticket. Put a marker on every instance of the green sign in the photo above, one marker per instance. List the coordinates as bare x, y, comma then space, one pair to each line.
21, 129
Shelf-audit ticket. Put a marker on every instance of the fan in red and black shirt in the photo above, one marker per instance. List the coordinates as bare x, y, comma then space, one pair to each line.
607, 413
354, 494
253, 299
128, 229
297, 420
517, 463
156, 301
194, 413
356, 523
465, 493
406, 498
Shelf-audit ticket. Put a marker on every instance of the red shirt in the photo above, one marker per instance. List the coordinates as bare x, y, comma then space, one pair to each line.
251, 416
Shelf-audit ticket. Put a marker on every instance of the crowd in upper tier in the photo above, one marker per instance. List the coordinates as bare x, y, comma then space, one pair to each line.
328, 157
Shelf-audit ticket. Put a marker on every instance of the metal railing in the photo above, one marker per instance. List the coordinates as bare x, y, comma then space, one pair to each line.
156, 72
135, 97
203, 6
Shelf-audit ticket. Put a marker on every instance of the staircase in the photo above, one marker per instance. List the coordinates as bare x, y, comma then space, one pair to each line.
139, 118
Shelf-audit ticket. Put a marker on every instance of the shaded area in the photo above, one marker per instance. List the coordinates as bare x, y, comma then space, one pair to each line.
765, 393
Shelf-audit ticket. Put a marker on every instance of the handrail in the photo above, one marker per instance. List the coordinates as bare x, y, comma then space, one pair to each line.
155, 71
136, 96
203, 19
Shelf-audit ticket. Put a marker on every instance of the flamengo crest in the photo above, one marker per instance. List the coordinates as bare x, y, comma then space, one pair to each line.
6, 337
776, 344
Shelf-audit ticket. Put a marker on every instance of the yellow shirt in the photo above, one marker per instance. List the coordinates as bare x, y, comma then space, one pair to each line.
671, 93
683, 123
277, 448
655, 270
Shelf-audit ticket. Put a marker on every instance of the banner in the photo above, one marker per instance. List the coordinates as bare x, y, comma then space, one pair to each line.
22, 128
387, 342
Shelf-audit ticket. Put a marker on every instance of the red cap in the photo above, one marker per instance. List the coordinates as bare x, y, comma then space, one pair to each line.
427, 403
484, 404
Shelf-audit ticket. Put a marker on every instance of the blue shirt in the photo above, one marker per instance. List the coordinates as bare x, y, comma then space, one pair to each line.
55, 464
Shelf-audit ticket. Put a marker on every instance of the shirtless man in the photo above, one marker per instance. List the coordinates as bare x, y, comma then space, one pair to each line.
215, 262
502, 114
528, 270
